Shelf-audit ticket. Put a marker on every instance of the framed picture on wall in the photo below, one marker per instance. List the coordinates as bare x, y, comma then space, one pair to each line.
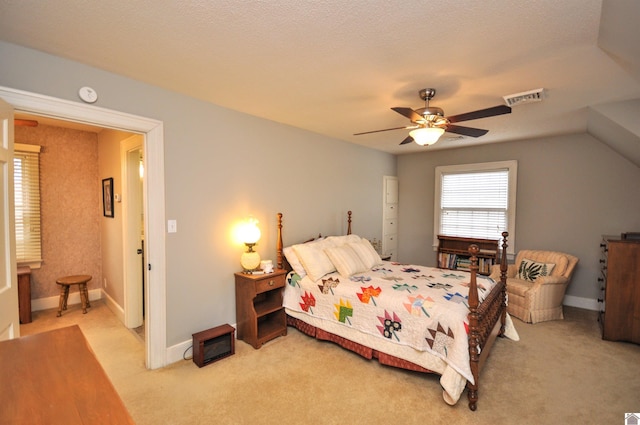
107, 197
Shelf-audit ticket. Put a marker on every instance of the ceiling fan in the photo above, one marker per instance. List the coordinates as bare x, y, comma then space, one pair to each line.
429, 123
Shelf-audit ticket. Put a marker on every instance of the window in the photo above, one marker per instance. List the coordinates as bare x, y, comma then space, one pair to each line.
476, 201
26, 173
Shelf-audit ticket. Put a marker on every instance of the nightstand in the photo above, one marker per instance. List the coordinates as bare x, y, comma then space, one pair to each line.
260, 315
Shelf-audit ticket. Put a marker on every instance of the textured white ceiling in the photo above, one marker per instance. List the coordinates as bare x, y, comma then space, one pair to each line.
335, 67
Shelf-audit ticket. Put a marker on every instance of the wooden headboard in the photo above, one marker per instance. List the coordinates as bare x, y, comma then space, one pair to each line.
281, 261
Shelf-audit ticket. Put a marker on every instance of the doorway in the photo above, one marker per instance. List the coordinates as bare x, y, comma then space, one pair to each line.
153, 189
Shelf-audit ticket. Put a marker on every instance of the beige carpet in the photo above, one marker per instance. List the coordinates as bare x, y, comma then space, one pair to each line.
559, 372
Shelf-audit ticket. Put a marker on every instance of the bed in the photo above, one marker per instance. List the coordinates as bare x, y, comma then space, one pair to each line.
407, 316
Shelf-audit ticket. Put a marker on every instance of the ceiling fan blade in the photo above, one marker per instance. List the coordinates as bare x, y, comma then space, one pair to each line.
481, 113
25, 123
386, 129
466, 131
409, 113
409, 139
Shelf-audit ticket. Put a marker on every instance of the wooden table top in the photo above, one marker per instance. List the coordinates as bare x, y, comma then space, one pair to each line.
74, 280
54, 378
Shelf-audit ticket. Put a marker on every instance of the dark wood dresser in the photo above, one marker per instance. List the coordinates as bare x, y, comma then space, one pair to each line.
24, 294
620, 283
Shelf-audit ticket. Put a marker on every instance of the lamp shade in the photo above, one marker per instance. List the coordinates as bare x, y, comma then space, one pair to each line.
426, 135
250, 233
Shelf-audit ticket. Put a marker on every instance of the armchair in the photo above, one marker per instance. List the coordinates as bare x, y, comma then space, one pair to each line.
536, 284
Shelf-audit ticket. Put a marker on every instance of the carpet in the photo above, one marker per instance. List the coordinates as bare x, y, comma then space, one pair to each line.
559, 372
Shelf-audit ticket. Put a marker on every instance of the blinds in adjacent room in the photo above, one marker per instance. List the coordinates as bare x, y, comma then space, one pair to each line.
26, 174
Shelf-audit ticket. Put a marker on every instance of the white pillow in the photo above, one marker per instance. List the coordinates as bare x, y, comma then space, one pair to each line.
366, 252
315, 262
340, 240
345, 260
294, 261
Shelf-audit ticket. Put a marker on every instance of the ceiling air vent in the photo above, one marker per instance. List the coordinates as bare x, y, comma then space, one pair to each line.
525, 97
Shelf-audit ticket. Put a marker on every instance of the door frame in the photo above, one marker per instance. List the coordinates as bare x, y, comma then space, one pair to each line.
154, 208
9, 312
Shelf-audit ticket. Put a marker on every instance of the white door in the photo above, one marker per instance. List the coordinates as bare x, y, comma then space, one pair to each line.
133, 233
9, 318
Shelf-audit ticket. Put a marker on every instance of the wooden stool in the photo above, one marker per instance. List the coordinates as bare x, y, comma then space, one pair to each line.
65, 283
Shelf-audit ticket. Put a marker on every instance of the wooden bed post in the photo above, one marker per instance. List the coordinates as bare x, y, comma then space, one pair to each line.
473, 329
503, 279
279, 261
348, 222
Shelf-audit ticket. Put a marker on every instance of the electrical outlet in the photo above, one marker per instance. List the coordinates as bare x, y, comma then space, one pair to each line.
105, 282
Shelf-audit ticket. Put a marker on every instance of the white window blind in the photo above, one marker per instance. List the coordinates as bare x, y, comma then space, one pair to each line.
476, 201
26, 174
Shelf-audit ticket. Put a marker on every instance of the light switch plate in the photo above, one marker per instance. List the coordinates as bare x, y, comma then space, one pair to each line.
172, 226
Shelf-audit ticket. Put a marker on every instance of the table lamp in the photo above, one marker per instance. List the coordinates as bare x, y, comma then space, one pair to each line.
250, 260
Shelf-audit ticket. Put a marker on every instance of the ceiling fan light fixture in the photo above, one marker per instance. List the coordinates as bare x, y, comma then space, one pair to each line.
426, 135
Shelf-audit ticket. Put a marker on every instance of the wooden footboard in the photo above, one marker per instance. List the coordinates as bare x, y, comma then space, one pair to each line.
486, 320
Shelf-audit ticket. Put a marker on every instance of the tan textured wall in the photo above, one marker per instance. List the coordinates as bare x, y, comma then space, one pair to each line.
71, 206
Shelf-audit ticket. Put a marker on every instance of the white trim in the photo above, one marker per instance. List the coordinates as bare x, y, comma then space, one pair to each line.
155, 338
47, 303
175, 353
113, 306
52, 107
579, 302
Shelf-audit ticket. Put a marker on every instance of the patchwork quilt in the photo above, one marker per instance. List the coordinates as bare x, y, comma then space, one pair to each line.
414, 306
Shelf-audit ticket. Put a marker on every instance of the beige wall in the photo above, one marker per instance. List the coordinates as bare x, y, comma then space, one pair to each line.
70, 206
571, 190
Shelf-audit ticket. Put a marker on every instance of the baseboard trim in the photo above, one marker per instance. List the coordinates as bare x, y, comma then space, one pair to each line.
179, 352
114, 306
579, 302
53, 302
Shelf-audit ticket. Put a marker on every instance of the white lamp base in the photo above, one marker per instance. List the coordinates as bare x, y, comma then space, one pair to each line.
250, 260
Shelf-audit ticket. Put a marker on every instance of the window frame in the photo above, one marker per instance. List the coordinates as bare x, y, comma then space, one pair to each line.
30, 150
511, 166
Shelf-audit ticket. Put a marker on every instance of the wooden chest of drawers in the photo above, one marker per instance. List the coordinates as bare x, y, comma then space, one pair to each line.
620, 283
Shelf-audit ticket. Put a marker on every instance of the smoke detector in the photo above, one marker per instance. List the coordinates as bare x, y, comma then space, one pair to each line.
525, 97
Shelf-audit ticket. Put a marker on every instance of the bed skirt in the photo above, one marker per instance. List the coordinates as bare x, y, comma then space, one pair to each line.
360, 349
